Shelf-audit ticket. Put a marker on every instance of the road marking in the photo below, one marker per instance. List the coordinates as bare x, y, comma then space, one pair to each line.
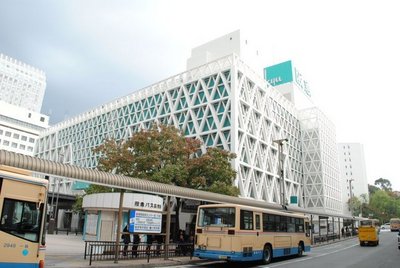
308, 258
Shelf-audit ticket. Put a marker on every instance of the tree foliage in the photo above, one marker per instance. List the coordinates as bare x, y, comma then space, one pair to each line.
354, 205
165, 155
383, 203
384, 184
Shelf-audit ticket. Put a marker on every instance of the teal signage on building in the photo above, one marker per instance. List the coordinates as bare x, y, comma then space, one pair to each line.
293, 199
279, 74
78, 185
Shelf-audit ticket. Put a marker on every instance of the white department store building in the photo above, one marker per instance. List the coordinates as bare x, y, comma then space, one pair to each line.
221, 100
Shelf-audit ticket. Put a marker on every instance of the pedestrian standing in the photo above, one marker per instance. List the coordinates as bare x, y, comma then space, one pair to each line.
126, 238
136, 241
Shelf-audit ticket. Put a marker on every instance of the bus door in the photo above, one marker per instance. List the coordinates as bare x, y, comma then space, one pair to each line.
258, 229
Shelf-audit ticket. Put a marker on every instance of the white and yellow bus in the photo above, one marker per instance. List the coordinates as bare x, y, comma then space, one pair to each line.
239, 233
22, 218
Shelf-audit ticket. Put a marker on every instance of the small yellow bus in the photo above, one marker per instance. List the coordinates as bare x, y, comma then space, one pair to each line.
240, 233
22, 218
368, 232
394, 224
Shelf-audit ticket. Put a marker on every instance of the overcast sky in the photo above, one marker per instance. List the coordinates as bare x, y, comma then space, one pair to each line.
96, 51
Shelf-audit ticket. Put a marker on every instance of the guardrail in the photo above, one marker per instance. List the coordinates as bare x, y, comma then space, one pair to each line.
105, 250
330, 237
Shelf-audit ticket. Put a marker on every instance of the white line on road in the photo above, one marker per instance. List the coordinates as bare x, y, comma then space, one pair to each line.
308, 258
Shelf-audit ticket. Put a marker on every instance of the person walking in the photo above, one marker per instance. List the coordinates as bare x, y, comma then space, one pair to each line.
126, 238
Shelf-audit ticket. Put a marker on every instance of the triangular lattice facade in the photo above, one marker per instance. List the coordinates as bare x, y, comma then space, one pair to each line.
224, 103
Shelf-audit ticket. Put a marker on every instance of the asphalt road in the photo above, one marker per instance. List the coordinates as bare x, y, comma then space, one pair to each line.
342, 254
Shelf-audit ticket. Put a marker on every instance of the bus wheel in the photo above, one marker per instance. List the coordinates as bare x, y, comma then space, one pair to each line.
267, 254
300, 250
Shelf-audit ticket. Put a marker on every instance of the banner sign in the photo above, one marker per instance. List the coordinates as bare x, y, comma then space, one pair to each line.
144, 222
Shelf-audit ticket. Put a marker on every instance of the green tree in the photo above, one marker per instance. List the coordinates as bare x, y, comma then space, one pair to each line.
384, 205
354, 204
384, 184
165, 155
372, 189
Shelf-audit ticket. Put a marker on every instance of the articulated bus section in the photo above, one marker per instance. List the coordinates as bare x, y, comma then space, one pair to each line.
239, 233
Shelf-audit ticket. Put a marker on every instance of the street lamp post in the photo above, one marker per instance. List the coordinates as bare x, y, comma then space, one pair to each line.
280, 143
351, 195
351, 192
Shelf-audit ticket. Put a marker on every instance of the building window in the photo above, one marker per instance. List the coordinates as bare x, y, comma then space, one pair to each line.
24, 138
14, 145
1, 132
8, 134
6, 143
41, 119
22, 147
31, 140
30, 149
16, 136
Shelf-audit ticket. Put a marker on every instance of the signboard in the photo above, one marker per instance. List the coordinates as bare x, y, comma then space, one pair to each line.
293, 199
285, 72
279, 74
301, 83
144, 222
144, 202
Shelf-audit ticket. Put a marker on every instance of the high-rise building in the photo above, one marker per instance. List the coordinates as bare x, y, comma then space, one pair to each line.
21, 93
20, 84
353, 173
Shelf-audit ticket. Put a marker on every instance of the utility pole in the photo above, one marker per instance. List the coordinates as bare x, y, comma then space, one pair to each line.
351, 192
351, 195
280, 143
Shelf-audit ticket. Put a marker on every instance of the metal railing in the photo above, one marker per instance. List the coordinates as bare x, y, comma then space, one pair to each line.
331, 237
105, 250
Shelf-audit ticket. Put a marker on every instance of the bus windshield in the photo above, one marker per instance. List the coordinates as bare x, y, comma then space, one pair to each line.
366, 223
21, 218
222, 217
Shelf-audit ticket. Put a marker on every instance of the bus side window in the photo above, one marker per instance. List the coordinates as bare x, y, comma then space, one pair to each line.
246, 220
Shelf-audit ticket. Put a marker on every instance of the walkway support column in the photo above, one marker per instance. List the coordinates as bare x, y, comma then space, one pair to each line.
121, 203
167, 228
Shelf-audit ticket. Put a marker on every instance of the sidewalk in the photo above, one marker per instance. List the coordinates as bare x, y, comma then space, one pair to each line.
64, 251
